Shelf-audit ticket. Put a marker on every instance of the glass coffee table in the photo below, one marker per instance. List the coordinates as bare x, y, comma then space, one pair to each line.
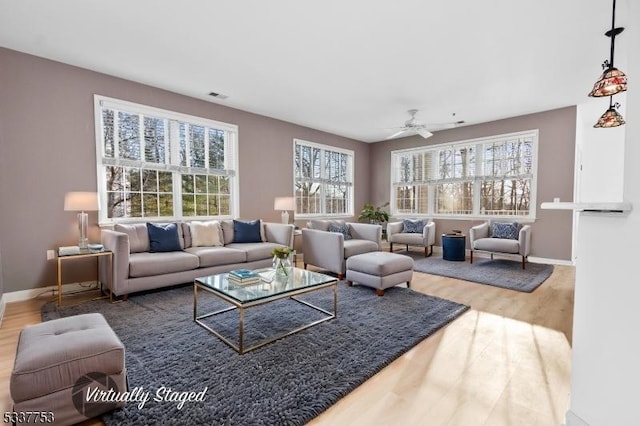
245, 296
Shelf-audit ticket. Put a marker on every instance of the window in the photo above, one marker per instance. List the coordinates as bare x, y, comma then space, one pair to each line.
158, 164
483, 177
323, 178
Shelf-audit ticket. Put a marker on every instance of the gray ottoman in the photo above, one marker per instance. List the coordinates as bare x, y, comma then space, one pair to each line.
379, 270
56, 361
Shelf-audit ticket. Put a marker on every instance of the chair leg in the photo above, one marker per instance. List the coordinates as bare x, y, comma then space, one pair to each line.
470, 256
426, 251
379, 292
407, 247
523, 261
340, 276
390, 247
305, 266
408, 284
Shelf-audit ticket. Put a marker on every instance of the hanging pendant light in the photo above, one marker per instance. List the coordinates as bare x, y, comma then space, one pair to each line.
611, 118
612, 80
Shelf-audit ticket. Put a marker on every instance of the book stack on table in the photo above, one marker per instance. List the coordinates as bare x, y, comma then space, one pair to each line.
243, 276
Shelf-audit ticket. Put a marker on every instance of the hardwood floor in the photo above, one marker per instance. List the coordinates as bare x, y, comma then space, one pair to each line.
506, 361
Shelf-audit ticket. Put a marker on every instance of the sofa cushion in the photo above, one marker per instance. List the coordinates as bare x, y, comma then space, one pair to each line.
412, 226
247, 232
149, 264
255, 251
138, 236
502, 245
205, 234
227, 231
214, 256
163, 237
342, 228
407, 238
186, 235
323, 224
354, 247
504, 230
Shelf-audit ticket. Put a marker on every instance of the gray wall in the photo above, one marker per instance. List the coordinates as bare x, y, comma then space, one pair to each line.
48, 149
551, 236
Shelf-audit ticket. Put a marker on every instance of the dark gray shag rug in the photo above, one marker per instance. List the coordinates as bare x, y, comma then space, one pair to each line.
287, 382
498, 272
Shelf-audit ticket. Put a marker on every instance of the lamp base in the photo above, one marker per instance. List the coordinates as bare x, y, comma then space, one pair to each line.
284, 217
83, 223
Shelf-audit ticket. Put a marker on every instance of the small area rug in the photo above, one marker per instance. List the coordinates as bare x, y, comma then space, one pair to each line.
498, 272
287, 382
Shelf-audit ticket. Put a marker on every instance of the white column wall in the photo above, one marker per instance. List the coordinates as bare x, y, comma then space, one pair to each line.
606, 348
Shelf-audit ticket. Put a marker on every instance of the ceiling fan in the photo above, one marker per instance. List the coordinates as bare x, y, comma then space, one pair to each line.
412, 127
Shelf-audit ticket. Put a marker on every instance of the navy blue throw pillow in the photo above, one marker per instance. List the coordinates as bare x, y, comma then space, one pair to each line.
342, 228
412, 226
163, 237
505, 230
246, 232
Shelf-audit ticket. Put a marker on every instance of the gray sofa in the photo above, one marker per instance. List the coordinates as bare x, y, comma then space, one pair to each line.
135, 268
329, 250
481, 239
426, 238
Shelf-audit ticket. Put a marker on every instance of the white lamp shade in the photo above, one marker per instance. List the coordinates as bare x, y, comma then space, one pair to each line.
81, 201
284, 203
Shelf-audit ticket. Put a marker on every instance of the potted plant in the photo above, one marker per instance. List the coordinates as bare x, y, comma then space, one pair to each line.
375, 215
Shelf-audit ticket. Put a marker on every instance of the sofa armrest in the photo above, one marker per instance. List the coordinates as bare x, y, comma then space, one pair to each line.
394, 228
279, 233
429, 234
118, 243
367, 231
323, 249
524, 238
477, 232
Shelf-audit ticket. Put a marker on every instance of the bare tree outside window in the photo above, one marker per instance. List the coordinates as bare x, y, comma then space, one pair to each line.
490, 177
141, 179
323, 180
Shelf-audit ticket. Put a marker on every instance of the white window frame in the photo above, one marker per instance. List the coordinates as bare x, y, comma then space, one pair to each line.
477, 178
172, 151
349, 172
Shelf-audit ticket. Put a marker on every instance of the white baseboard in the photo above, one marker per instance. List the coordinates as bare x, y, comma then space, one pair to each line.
572, 419
22, 295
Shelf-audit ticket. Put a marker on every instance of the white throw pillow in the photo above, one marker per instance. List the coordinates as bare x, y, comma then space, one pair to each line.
205, 234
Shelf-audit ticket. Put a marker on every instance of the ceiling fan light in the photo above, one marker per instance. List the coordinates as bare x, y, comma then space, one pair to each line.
611, 118
611, 81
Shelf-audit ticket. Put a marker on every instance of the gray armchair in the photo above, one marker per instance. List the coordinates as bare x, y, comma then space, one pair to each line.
329, 250
480, 239
426, 238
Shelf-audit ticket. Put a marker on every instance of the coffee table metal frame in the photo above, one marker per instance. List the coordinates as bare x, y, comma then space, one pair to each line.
242, 306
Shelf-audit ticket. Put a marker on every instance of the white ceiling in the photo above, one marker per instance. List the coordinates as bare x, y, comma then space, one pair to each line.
349, 67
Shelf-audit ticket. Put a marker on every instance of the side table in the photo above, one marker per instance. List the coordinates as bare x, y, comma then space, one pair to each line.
297, 245
453, 247
86, 254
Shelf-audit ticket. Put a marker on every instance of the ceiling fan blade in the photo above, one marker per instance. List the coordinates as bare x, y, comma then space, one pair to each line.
396, 134
424, 133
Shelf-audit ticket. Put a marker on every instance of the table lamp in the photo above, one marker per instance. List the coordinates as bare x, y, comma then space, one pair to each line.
81, 202
284, 204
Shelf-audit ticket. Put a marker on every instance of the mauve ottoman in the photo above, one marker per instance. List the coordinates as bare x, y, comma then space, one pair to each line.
380, 270
57, 360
